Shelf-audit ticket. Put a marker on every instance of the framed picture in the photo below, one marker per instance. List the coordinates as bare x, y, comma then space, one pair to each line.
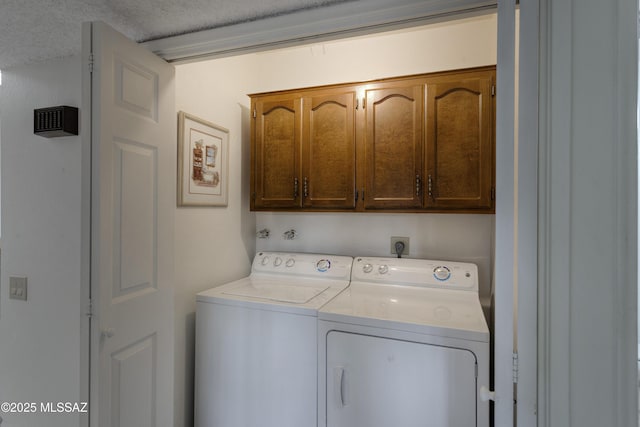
203, 158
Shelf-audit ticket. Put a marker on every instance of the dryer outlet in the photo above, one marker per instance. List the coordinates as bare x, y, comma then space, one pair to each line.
404, 240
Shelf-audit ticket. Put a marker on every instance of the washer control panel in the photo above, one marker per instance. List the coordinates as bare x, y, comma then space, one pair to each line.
416, 272
318, 265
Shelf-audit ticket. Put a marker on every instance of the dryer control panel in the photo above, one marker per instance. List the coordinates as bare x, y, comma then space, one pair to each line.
299, 264
416, 272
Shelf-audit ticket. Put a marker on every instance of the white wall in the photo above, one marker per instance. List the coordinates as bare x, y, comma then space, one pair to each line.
212, 245
215, 245
464, 43
40, 350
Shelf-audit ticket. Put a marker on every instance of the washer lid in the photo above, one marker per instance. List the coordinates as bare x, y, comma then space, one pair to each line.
278, 291
442, 312
284, 294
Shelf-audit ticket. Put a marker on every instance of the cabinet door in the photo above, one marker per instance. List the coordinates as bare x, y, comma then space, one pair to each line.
277, 152
393, 147
329, 151
459, 140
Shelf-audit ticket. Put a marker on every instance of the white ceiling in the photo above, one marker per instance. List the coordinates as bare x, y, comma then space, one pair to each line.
36, 30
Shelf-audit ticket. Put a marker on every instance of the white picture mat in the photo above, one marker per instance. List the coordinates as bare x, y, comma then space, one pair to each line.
203, 158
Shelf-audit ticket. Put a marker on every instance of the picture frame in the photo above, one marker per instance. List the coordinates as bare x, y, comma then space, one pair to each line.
203, 159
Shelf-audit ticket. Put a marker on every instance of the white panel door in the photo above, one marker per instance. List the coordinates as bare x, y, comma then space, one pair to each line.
133, 196
381, 382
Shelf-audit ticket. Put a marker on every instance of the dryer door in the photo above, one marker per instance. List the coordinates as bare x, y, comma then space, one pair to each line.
381, 382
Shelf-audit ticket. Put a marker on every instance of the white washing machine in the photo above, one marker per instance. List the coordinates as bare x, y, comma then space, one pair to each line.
405, 345
256, 342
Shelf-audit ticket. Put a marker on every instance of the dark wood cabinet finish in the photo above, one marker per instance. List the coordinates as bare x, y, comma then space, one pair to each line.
393, 147
328, 165
459, 141
276, 166
409, 144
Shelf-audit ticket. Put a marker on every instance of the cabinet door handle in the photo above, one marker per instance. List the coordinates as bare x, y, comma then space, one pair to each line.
295, 188
430, 187
305, 187
418, 185
356, 198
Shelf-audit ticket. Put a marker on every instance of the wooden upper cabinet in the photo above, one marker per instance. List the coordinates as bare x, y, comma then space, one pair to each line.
328, 150
393, 146
276, 152
459, 141
421, 143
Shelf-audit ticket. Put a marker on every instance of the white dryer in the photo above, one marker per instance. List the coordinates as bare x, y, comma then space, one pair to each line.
405, 345
256, 342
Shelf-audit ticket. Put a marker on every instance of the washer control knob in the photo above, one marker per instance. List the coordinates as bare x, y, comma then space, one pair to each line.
277, 261
442, 273
367, 268
383, 269
265, 260
290, 262
323, 265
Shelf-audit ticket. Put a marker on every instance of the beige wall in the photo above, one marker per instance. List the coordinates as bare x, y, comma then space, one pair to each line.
215, 245
465, 43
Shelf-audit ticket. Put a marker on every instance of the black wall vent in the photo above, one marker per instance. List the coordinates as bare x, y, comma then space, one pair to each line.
55, 121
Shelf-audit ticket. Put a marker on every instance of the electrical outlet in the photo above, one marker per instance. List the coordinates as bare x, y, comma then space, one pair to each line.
404, 240
18, 288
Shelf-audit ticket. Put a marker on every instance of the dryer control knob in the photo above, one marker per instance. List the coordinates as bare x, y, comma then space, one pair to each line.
442, 273
265, 260
323, 265
367, 268
290, 262
383, 269
277, 261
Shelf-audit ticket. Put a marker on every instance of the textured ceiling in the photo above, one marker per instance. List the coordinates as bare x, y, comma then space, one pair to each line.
36, 30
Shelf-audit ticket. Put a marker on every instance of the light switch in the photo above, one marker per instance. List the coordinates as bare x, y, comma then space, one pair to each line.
18, 288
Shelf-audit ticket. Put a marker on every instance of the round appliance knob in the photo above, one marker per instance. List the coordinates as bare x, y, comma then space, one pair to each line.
265, 260
277, 261
323, 265
442, 273
367, 268
290, 262
383, 269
